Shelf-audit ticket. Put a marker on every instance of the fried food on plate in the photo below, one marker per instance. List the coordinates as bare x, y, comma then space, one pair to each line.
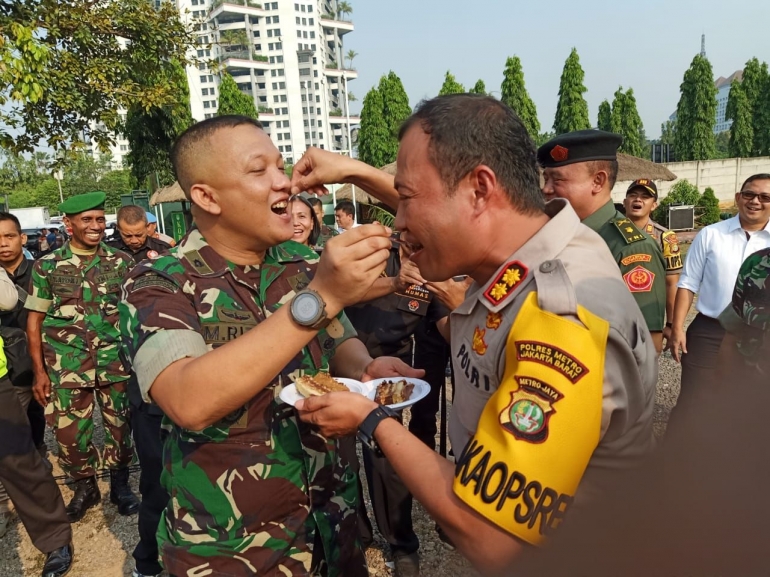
392, 393
317, 385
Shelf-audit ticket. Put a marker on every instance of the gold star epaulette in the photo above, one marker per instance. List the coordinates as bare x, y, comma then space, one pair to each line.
628, 230
511, 276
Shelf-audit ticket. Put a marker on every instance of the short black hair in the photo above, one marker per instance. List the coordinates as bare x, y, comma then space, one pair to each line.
468, 130
314, 201
184, 152
609, 166
345, 206
753, 177
132, 214
5, 216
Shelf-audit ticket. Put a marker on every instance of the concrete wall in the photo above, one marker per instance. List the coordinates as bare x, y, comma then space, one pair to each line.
724, 176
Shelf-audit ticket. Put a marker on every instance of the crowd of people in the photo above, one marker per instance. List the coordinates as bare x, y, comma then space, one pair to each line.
550, 307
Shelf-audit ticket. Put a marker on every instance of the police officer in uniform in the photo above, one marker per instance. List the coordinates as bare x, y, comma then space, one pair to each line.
134, 237
555, 368
641, 199
582, 167
74, 341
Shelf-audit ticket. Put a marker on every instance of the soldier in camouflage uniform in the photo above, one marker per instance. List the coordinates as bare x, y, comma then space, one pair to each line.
641, 199
253, 490
74, 299
327, 231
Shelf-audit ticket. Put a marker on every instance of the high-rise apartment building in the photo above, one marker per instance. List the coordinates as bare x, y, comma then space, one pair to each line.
288, 56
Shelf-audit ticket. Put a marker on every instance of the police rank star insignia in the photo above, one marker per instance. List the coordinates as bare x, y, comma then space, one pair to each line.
639, 279
527, 415
511, 276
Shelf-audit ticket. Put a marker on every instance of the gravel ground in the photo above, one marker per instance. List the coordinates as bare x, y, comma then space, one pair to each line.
104, 540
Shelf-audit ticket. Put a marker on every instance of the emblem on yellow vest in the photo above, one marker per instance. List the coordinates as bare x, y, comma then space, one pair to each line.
479, 346
527, 415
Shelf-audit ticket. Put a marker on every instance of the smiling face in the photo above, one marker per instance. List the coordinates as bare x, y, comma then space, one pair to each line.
11, 243
302, 220
753, 213
435, 224
87, 228
242, 183
639, 203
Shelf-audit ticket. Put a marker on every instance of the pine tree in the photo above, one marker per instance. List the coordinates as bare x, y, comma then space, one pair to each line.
741, 132
479, 88
233, 101
696, 113
604, 121
374, 133
572, 109
450, 86
514, 93
395, 110
151, 133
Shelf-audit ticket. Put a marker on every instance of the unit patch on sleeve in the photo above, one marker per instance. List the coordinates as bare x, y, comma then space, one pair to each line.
639, 280
153, 280
636, 258
553, 357
531, 406
512, 275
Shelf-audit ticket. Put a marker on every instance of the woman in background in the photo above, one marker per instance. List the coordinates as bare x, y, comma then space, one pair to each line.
307, 229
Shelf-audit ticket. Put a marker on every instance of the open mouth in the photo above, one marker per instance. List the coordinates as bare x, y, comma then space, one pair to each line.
280, 207
637, 206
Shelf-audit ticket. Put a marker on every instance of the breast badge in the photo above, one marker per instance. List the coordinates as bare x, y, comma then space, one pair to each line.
639, 280
479, 346
494, 320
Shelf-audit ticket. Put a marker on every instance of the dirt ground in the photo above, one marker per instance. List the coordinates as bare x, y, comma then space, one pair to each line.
104, 540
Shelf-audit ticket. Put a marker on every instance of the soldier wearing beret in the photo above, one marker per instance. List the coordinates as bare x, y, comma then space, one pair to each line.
641, 199
582, 167
76, 365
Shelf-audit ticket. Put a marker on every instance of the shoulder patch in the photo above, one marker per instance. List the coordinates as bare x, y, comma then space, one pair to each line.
639, 280
628, 230
636, 258
152, 280
512, 275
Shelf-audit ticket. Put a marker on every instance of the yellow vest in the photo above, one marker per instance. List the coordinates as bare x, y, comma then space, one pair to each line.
539, 429
3, 360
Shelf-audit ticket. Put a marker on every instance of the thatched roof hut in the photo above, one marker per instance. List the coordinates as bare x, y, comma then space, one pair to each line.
170, 193
345, 192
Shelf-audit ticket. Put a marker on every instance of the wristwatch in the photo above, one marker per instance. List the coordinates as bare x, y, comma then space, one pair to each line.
308, 309
370, 424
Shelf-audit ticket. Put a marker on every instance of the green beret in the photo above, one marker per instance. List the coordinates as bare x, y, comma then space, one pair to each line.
83, 202
580, 146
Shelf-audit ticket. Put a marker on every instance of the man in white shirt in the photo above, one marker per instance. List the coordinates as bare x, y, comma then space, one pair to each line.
710, 270
345, 215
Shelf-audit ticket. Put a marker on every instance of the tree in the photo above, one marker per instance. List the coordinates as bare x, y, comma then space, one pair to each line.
755, 78
515, 95
395, 110
233, 101
351, 55
709, 204
696, 113
683, 192
450, 86
741, 132
479, 88
344, 8
761, 115
374, 134
66, 65
667, 132
572, 109
604, 121
625, 120
152, 132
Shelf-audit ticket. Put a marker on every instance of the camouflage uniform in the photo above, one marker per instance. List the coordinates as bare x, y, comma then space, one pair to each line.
81, 345
258, 492
327, 232
748, 315
669, 246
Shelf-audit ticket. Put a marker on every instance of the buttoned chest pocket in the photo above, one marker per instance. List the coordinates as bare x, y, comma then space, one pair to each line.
108, 285
67, 295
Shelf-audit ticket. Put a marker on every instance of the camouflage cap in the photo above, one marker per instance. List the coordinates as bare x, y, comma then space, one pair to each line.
83, 202
748, 315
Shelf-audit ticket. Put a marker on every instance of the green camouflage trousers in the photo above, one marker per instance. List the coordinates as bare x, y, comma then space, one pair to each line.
70, 413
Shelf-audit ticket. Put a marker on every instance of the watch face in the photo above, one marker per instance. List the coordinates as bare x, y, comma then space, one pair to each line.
305, 308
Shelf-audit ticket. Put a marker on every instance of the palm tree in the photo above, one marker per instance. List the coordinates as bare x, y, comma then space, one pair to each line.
344, 8
352, 97
350, 56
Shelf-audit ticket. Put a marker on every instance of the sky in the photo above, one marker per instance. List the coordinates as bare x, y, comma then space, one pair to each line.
645, 45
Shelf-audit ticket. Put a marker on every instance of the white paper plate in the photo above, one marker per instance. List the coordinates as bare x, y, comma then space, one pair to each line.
290, 395
420, 391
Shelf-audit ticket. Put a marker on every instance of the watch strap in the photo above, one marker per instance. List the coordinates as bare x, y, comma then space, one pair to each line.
369, 425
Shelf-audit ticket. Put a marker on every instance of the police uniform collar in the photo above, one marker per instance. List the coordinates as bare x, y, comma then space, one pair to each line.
518, 269
601, 216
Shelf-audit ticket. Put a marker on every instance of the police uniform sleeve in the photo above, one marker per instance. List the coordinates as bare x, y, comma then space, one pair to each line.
41, 297
672, 254
155, 336
643, 270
